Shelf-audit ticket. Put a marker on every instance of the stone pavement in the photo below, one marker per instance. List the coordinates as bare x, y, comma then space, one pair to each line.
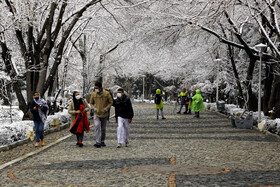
179, 151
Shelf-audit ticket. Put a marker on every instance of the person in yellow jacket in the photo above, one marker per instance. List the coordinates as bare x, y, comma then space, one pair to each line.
159, 103
100, 102
183, 97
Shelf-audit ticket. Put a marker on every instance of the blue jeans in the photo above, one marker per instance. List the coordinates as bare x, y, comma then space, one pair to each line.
39, 130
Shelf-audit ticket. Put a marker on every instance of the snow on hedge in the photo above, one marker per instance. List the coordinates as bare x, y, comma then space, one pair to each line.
16, 130
231, 109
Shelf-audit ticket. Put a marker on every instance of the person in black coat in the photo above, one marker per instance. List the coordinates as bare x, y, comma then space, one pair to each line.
39, 108
124, 114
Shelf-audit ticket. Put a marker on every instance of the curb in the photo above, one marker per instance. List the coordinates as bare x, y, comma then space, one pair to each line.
3, 166
266, 132
26, 140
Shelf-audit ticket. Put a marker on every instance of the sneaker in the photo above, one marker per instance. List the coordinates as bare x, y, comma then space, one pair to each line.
126, 144
78, 143
103, 144
185, 112
157, 118
119, 145
163, 118
97, 145
37, 144
81, 144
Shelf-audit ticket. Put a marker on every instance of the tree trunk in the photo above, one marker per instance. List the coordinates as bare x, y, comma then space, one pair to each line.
6, 57
236, 75
252, 100
277, 103
267, 89
274, 96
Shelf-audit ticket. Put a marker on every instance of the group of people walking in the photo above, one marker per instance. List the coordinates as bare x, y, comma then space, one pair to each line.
191, 101
101, 101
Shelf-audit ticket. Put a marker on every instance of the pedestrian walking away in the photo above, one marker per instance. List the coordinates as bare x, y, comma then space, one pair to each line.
189, 101
39, 109
159, 104
78, 109
197, 103
100, 102
183, 97
124, 114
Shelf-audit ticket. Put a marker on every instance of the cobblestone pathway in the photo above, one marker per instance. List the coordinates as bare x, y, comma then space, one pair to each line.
179, 151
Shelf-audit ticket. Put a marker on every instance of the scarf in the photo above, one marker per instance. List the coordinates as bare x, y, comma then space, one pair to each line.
43, 103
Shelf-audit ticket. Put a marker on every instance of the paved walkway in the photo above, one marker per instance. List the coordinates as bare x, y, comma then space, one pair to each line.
179, 151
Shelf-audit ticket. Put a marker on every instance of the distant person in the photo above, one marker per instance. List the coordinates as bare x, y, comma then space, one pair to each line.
124, 114
78, 109
100, 102
159, 104
39, 108
189, 101
197, 103
183, 97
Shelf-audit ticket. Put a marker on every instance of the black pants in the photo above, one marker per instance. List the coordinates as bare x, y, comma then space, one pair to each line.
196, 114
80, 137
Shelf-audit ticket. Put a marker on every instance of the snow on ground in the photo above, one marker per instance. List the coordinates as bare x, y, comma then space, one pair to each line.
230, 109
16, 129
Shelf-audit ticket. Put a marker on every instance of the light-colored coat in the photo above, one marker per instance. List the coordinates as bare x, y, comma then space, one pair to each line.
72, 111
101, 103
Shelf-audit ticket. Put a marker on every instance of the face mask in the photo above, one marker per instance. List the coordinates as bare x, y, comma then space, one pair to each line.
36, 98
78, 97
97, 90
119, 95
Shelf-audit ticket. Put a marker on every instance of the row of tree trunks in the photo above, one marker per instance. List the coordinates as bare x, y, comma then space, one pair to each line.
36, 51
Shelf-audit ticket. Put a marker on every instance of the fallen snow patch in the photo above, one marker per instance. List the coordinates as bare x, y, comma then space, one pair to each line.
17, 130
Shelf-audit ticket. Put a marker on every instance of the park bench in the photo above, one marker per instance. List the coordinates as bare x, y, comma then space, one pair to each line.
245, 121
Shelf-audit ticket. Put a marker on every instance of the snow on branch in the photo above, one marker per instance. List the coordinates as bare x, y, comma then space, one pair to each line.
132, 6
113, 17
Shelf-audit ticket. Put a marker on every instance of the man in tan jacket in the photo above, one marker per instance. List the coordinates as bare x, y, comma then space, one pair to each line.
100, 102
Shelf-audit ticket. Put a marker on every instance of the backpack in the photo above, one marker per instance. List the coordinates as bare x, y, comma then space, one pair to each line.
157, 99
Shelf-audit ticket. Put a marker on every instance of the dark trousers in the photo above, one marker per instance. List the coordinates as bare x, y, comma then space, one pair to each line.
181, 106
80, 137
196, 114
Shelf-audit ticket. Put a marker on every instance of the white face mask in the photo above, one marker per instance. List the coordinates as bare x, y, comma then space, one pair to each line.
78, 97
119, 95
97, 90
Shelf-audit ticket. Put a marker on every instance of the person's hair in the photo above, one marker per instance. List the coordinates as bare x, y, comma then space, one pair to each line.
99, 84
35, 92
121, 90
